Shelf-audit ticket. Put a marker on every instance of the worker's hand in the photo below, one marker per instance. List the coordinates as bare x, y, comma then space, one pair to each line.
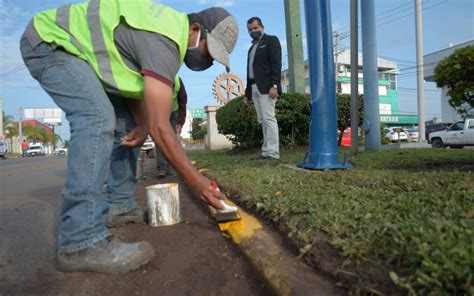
246, 101
273, 93
205, 192
178, 128
136, 137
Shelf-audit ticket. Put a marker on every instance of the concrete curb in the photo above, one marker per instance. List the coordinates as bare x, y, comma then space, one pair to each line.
284, 273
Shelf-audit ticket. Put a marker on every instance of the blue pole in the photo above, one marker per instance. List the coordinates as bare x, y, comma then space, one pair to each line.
323, 150
371, 82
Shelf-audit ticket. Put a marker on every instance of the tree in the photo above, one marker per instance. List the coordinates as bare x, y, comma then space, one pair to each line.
9, 128
198, 132
456, 72
344, 113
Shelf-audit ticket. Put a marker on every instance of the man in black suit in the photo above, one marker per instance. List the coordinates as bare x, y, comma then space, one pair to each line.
263, 84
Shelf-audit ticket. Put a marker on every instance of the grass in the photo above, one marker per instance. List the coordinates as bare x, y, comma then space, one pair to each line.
411, 210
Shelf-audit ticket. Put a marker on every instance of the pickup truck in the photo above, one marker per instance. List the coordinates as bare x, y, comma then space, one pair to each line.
457, 135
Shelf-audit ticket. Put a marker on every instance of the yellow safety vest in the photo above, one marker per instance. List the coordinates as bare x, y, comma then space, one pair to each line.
86, 30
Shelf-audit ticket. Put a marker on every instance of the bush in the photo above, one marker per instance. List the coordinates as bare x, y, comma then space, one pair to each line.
239, 123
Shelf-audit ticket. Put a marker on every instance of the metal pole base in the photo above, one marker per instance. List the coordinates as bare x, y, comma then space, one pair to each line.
324, 161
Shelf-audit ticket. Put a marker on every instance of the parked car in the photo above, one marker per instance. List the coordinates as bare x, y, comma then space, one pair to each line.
35, 150
413, 134
3, 149
60, 151
458, 135
442, 126
396, 133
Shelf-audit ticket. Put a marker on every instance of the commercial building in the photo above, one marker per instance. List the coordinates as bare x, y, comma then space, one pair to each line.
388, 92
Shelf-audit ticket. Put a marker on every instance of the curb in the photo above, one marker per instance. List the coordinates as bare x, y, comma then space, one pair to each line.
284, 273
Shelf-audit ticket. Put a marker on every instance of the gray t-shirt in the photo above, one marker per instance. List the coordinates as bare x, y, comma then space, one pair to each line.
149, 53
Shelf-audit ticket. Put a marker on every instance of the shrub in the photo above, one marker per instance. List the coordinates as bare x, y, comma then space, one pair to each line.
239, 123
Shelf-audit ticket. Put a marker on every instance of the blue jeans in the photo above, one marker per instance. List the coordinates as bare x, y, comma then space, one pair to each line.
97, 121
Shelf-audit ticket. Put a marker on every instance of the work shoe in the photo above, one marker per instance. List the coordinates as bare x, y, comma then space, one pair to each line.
109, 255
135, 215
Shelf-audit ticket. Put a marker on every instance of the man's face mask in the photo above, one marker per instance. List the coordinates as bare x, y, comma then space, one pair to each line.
195, 60
256, 35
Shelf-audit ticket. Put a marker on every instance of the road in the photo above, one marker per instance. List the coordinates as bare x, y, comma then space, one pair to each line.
193, 258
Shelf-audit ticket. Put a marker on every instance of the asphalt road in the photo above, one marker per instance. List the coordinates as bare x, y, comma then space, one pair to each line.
193, 258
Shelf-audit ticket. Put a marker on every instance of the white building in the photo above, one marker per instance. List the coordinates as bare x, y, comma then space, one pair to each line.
448, 113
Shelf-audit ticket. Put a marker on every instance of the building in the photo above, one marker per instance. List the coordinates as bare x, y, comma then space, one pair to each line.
448, 113
388, 93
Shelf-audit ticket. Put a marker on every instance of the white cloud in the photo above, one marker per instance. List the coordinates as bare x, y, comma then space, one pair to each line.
221, 3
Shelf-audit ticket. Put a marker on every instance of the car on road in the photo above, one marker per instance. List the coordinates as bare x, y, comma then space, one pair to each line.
60, 151
3, 149
148, 147
396, 133
441, 126
35, 150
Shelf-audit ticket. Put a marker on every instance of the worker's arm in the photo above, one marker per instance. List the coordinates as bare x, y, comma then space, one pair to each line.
158, 111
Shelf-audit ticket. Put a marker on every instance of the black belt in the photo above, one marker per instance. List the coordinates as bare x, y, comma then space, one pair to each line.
251, 81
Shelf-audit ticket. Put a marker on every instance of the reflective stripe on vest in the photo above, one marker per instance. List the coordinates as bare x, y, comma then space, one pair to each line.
86, 30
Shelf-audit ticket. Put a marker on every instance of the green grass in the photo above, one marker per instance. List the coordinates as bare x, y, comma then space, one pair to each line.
412, 210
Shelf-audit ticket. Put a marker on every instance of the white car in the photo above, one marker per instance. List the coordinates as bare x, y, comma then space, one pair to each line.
3, 149
60, 151
458, 135
413, 134
35, 150
148, 147
396, 133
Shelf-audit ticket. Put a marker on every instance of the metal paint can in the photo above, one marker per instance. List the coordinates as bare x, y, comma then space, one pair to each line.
163, 204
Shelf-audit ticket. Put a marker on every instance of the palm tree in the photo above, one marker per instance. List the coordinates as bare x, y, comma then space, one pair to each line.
9, 128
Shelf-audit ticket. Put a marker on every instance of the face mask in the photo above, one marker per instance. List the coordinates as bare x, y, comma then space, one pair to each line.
256, 35
196, 61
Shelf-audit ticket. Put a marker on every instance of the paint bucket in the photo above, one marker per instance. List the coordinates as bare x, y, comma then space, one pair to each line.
163, 204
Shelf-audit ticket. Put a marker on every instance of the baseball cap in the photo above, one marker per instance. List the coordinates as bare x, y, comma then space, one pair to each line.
222, 33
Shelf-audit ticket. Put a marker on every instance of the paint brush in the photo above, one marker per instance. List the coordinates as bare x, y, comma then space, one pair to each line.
228, 213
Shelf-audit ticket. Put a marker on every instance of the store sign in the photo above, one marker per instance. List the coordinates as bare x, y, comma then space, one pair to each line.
389, 119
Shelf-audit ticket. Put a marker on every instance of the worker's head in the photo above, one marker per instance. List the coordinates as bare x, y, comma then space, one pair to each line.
255, 27
213, 34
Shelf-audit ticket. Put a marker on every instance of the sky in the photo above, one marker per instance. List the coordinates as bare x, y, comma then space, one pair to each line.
444, 22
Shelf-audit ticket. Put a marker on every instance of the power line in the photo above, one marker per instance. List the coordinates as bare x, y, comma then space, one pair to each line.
403, 16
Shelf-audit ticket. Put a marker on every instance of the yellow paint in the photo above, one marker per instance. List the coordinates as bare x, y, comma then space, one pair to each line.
242, 229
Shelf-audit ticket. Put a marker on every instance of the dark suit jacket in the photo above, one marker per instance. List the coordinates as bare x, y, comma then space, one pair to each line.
266, 65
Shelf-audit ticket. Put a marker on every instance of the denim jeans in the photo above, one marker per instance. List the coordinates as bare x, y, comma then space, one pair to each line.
161, 164
97, 121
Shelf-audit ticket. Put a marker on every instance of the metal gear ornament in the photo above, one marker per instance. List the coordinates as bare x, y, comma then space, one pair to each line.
226, 87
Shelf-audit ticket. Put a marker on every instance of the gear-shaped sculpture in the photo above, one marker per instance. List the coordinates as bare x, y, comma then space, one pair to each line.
226, 87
